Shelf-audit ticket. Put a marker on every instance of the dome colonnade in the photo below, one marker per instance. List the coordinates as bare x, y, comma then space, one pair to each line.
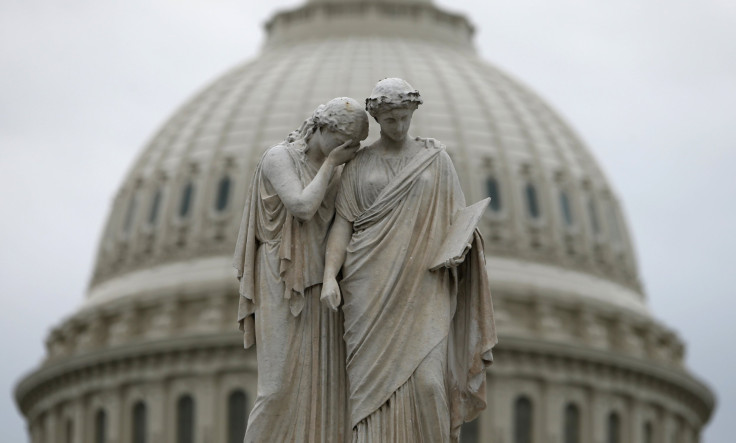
575, 332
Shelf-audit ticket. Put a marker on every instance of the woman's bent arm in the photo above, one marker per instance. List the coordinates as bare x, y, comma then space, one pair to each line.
300, 202
303, 202
337, 245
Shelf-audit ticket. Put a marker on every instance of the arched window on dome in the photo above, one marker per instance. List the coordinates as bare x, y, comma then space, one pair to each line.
69, 431
101, 426
470, 432
237, 416
523, 423
130, 213
185, 419
532, 201
648, 432
139, 423
566, 209
155, 207
593, 214
185, 205
572, 424
614, 428
493, 191
223, 194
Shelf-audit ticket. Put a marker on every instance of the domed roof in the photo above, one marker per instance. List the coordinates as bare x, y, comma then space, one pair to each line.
555, 224
160, 311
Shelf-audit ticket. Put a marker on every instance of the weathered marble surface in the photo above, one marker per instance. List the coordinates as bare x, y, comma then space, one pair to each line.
418, 341
396, 352
279, 258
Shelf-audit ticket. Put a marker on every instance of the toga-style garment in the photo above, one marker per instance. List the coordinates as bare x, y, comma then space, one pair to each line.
418, 342
302, 393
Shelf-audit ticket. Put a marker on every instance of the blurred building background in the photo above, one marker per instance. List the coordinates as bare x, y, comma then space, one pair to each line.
153, 355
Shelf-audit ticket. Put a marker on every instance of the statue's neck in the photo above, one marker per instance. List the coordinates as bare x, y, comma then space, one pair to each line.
391, 146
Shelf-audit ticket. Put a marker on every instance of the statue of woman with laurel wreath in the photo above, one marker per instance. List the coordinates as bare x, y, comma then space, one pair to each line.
418, 341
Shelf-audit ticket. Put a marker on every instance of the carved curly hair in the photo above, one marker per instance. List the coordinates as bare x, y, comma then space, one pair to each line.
342, 114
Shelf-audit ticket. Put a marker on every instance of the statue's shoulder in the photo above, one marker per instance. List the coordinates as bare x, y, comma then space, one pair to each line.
278, 156
370, 149
436, 146
431, 143
365, 152
287, 150
275, 150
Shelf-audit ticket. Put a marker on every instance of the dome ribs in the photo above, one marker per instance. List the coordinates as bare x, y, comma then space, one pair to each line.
500, 173
223, 226
472, 107
458, 146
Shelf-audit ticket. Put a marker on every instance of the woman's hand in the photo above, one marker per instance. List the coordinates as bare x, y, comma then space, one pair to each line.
331, 294
455, 262
343, 153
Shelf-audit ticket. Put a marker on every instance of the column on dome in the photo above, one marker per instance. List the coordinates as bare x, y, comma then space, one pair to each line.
113, 401
539, 409
630, 416
692, 433
164, 408
554, 405
669, 427
598, 416
79, 407
218, 407
206, 421
125, 418
87, 423
504, 398
52, 430
157, 424
636, 419
35, 430
587, 432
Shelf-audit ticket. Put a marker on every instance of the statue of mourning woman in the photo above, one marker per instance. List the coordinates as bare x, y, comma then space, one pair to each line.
418, 341
302, 386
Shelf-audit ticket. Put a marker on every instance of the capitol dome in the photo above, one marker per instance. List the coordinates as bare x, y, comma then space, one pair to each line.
580, 357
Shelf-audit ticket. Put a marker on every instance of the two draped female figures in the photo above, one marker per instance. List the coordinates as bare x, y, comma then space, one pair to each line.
414, 343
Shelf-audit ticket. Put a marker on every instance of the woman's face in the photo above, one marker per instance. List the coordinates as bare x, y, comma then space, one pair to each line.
332, 139
395, 123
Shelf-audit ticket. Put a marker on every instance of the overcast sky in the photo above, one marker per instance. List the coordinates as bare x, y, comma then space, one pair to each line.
649, 84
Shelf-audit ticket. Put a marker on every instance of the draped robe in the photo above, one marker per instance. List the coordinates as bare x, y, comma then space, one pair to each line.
418, 342
302, 394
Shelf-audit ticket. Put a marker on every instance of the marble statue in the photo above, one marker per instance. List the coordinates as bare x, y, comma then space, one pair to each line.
418, 341
302, 394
